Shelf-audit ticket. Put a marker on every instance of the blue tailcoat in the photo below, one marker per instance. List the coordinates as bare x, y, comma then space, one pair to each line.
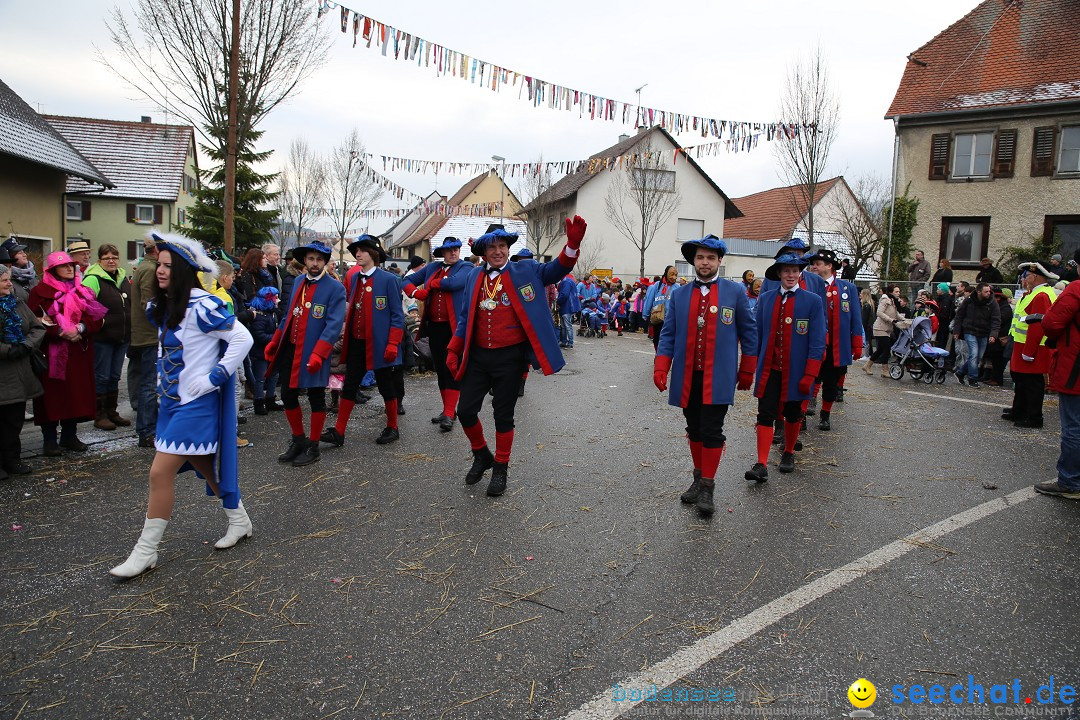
731, 326
804, 341
322, 324
843, 293
382, 306
529, 301
453, 282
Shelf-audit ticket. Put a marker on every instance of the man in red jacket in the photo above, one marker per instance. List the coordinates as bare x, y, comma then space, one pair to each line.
1030, 355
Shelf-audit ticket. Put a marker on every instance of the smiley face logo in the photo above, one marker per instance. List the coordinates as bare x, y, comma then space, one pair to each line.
862, 693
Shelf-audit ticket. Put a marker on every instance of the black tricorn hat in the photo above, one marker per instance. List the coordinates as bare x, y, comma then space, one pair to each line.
370, 242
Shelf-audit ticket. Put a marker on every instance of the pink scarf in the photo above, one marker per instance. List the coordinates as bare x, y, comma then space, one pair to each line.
73, 303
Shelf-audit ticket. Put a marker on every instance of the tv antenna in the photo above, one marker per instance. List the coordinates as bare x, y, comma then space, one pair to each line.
640, 112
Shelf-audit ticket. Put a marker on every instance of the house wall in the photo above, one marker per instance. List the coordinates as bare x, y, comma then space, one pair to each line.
828, 217
108, 224
1017, 206
30, 199
490, 190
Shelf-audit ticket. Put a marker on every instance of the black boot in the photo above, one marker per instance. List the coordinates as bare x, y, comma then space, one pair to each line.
272, 405
691, 495
309, 455
824, 424
839, 394
787, 463
482, 460
332, 437
388, 435
446, 424
758, 473
296, 446
437, 419
73, 443
705, 498
260, 407
497, 484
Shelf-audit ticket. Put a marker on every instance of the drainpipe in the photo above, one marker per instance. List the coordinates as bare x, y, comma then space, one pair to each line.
892, 206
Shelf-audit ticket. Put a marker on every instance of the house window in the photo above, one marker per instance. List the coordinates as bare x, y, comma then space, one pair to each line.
144, 214
1069, 161
74, 210
181, 216
971, 157
964, 240
690, 229
190, 184
651, 179
1064, 229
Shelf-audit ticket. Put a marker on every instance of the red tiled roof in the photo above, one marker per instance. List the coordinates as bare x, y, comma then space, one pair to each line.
771, 214
1004, 52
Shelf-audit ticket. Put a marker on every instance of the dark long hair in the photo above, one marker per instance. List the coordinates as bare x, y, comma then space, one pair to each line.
170, 304
252, 262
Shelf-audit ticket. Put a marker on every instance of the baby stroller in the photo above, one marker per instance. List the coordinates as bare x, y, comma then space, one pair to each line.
585, 329
914, 352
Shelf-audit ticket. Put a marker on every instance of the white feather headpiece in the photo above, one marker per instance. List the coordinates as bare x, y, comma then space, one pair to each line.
190, 250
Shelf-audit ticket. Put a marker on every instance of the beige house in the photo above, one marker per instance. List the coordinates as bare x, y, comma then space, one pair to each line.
35, 165
988, 121
702, 207
156, 174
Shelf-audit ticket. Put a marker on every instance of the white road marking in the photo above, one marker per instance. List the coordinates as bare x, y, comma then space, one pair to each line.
645, 352
692, 657
949, 397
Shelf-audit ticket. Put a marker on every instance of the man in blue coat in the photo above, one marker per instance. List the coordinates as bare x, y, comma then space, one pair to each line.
374, 328
705, 324
791, 345
504, 327
844, 333
309, 328
569, 304
441, 287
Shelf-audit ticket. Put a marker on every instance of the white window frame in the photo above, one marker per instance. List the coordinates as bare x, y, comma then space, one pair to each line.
1073, 148
970, 170
68, 204
139, 219
666, 182
181, 216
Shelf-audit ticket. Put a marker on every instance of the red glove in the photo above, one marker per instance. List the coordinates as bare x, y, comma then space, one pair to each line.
272, 347
806, 385
453, 354
391, 351
319, 353
575, 231
435, 283
747, 368
856, 348
661, 367
421, 294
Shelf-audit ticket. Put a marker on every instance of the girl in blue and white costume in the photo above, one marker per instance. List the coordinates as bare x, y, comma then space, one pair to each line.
201, 345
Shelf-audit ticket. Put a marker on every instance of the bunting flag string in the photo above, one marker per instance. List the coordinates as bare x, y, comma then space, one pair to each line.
425, 207
738, 135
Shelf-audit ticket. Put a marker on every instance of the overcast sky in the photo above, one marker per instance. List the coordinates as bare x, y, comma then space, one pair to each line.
717, 59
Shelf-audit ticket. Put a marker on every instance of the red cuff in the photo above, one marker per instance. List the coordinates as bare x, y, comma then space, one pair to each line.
748, 364
456, 345
567, 261
322, 349
856, 346
394, 338
662, 363
409, 289
813, 368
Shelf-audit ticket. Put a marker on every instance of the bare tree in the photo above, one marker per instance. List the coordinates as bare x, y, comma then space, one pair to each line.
545, 226
302, 184
590, 255
642, 196
863, 220
350, 187
809, 101
175, 53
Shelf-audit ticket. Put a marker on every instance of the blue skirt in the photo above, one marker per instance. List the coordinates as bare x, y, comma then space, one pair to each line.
191, 429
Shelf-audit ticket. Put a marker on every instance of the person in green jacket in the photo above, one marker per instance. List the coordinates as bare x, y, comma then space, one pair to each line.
113, 290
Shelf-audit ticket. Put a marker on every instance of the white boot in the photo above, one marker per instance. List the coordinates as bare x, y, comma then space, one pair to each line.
144, 556
239, 527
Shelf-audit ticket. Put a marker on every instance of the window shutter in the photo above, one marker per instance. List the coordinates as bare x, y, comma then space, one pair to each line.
85, 209
131, 212
1005, 154
1042, 151
157, 215
133, 250
940, 145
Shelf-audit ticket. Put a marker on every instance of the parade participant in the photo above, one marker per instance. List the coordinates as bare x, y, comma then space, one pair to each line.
310, 325
1062, 325
443, 294
504, 325
569, 305
374, 328
656, 298
196, 423
707, 322
791, 345
1030, 355
844, 339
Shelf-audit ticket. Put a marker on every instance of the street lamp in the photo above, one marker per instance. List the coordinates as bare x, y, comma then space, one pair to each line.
502, 189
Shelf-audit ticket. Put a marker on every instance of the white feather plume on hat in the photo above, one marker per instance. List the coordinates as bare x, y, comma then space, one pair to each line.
190, 250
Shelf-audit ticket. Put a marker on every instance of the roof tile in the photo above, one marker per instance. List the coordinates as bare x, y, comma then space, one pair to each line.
770, 214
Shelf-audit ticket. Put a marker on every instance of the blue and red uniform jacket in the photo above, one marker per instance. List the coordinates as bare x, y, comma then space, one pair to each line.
451, 284
315, 313
843, 313
729, 325
528, 279
383, 316
802, 340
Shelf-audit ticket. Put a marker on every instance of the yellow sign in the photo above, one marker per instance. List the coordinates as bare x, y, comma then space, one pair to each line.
603, 273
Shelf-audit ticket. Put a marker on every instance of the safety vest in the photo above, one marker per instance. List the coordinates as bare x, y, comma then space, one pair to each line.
1019, 327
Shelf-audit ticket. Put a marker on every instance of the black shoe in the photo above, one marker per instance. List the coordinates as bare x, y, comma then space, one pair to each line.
309, 455
51, 450
260, 407
437, 419
497, 484
482, 460
839, 395
332, 437
446, 424
241, 420
296, 446
705, 499
959, 378
362, 398
400, 407
973, 383
758, 473
798, 445
272, 405
521, 388
1007, 414
1027, 423
691, 495
787, 463
74, 444
388, 435
824, 424
18, 467
147, 441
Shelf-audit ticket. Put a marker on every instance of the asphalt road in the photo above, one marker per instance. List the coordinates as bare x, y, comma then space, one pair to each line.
378, 585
